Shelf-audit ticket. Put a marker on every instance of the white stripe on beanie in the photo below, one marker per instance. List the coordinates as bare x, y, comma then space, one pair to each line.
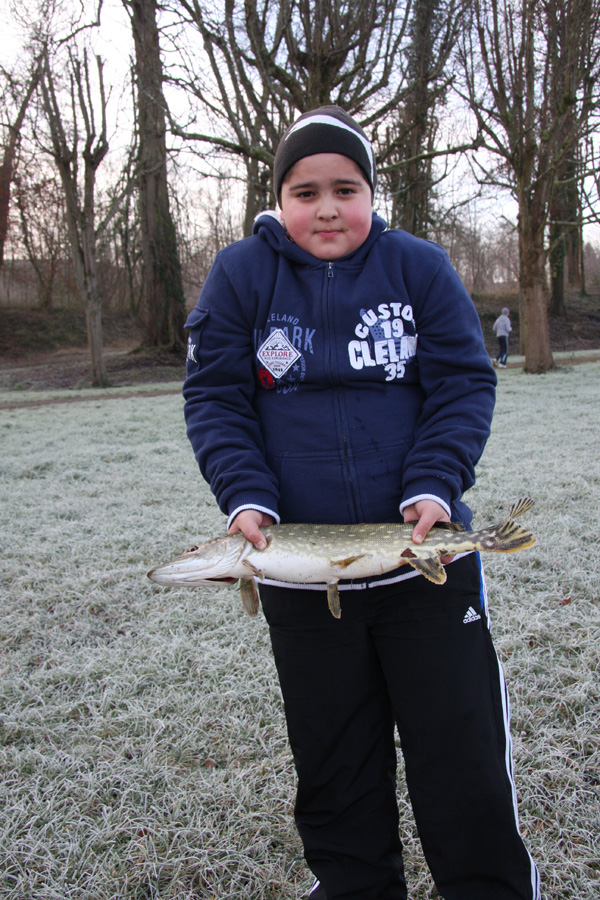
321, 119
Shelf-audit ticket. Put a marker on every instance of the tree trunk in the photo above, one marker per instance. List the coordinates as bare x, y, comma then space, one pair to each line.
163, 286
257, 192
81, 215
418, 117
583, 286
93, 323
573, 255
534, 324
6, 170
410, 174
574, 234
522, 325
564, 235
83, 247
87, 283
557, 272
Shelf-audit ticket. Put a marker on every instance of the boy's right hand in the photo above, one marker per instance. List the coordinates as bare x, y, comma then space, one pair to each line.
249, 522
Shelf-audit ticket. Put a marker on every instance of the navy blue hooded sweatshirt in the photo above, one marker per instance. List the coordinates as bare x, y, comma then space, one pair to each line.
336, 392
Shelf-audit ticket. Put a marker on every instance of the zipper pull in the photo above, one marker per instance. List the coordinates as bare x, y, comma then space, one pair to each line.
330, 270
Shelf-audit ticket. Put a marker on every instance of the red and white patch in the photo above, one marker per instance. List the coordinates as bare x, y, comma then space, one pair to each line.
265, 378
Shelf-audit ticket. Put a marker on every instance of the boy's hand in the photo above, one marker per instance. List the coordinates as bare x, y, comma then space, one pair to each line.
249, 521
426, 513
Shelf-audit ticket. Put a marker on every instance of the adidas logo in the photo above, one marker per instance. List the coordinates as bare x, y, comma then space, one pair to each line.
471, 616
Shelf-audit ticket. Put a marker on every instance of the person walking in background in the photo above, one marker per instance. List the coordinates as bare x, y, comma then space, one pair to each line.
503, 328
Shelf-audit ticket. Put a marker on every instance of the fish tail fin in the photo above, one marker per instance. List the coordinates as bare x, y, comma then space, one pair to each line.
509, 537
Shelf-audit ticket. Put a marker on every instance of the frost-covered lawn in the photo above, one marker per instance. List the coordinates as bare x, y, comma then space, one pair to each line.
142, 741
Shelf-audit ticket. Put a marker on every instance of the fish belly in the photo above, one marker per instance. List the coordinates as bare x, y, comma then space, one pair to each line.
304, 568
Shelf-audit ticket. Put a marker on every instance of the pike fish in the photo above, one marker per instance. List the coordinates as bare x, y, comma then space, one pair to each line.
325, 554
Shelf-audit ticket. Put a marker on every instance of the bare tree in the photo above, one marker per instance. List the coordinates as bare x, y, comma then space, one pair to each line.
80, 198
43, 236
163, 286
532, 96
384, 62
411, 138
127, 253
271, 60
23, 93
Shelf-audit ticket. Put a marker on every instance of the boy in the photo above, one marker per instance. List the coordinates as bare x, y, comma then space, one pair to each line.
337, 373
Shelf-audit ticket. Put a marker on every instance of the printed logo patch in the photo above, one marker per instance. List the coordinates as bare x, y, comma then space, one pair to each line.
277, 353
471, 616
191, 350
386, 337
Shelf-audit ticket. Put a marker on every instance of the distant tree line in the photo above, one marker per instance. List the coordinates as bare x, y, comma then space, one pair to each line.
499, 95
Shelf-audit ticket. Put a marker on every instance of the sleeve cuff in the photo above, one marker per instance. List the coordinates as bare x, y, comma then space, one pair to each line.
257, 506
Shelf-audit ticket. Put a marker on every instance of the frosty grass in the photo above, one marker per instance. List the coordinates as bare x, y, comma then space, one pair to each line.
142, 739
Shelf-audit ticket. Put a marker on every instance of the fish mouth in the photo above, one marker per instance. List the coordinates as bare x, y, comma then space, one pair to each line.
173, 579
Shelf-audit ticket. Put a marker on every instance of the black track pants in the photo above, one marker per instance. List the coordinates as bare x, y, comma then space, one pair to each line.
419, 655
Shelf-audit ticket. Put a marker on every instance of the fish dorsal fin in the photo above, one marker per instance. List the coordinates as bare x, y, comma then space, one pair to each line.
429, 566
333, 599
249, 595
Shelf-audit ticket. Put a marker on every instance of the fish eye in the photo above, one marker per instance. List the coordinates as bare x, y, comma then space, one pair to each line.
191, 549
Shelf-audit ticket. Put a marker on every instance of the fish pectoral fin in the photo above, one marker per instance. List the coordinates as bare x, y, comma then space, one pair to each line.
428, 565
253, 569
333, 599
249, 596
344, 563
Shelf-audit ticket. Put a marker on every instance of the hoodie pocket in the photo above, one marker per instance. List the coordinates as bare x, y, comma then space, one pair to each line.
332, 487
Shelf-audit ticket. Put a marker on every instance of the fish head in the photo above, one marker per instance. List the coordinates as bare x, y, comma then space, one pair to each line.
211, 563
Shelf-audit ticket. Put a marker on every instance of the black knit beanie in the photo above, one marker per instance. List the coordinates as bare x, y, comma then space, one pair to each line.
327, 129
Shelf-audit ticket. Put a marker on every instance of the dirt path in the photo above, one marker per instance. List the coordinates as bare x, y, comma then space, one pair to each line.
80, 398
172, 381
66, 374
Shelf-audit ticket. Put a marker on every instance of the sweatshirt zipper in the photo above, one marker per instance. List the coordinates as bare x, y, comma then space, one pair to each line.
336, 389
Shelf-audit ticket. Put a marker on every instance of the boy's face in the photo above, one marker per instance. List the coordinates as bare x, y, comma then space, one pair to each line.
326, 205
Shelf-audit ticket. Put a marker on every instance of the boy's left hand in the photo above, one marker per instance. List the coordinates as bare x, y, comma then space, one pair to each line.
426, 513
